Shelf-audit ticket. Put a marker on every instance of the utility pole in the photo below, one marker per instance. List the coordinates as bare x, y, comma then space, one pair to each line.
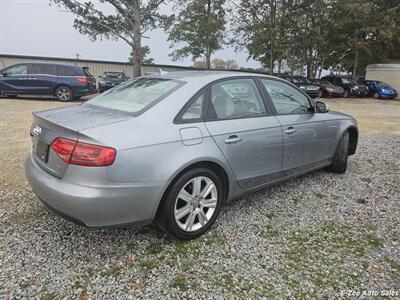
77, 56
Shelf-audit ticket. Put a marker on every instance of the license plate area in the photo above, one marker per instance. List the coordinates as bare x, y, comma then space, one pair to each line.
42, 151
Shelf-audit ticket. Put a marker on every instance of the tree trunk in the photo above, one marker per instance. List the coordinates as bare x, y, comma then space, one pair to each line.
137, 40
208, 58
355, 66
279, 66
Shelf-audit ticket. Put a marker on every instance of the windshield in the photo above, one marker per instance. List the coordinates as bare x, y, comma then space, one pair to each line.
348, 81
113, 75
382, 84
301, 80
136, 95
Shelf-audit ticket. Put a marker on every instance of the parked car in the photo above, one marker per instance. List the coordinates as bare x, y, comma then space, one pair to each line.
173, 148
350, 86
63, 81
328, 89
379, 89
110, 79
304, 84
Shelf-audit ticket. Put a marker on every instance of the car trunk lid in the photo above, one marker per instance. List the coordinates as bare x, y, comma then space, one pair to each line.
66, 122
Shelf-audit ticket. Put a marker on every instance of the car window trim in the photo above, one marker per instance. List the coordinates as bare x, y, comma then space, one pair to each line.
268, 96
208, 100
178, 119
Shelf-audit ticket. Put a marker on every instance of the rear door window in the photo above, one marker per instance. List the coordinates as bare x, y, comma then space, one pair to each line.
42, 69
67, 71
137, 95
235, 98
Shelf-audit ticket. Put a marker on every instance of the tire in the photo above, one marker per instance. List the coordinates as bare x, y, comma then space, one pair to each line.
64, 94
339, 163
346, 94
376, 95
320, 94
178, 225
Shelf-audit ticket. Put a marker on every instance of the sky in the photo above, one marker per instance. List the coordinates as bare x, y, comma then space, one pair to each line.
33, 27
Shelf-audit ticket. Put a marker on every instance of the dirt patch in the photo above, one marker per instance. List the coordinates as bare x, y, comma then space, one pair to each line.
373, 116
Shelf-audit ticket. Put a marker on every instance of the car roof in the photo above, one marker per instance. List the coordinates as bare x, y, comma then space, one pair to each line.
50, 64
206, 75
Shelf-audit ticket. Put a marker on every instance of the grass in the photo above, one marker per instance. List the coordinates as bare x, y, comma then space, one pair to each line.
319, 195
113, 271
154, 249
24, 284
149, 264
180, 282
319, 254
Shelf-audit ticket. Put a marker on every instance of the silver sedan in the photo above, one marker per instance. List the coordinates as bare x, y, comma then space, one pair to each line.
172, 148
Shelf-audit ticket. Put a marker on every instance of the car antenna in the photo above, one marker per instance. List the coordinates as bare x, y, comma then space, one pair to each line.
162, 72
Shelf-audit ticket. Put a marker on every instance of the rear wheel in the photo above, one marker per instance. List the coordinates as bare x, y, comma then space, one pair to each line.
64, 93
339, 163
192, 204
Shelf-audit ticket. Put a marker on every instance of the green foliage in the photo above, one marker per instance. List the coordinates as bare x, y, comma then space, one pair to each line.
128, 22
200, 26
308, 35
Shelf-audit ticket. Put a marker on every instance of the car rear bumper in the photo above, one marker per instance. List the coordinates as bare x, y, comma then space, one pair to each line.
95, 206
85, 91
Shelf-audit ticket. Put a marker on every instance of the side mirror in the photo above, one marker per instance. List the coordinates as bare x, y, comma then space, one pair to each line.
5, 74
321, 107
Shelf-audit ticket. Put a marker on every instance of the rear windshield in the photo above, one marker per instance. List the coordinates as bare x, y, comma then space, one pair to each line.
87, 72
113, 75
137, 95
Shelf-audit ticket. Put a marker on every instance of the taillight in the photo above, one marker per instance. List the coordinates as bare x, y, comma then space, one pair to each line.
83, 79
83, 154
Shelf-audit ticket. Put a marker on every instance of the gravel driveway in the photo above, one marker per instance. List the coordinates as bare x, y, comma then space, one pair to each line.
318, 236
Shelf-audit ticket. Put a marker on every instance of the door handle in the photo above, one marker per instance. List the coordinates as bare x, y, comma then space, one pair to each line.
233, 139
290, 130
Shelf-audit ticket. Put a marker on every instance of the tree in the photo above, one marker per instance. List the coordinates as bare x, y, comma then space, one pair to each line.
145, 59
200, 26
129, 21
229, 64
259, 27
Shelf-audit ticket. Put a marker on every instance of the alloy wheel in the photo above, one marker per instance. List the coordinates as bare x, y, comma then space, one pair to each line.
196, 203
63, 94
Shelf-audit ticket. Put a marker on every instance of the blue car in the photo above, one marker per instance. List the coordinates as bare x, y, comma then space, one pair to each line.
62, 81
379, 89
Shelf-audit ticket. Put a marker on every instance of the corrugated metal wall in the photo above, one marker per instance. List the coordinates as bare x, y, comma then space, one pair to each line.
96, 67
388, 73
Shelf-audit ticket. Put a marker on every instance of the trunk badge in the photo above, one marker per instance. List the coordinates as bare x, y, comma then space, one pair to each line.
37, 130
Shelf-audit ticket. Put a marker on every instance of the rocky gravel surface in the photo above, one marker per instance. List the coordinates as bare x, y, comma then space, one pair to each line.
322, 235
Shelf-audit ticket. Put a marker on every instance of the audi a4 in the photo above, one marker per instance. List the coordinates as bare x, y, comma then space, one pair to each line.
172, 148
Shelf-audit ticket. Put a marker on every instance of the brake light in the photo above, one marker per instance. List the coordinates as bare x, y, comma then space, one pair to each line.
83, 79
83, 154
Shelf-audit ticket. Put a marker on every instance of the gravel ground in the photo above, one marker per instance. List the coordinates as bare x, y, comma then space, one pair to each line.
322, 235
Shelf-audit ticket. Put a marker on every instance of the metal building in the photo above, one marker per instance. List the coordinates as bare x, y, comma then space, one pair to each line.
388, 73
96, 67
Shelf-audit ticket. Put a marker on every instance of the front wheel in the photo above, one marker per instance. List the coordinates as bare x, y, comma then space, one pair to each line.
346, 94
376, 95
64, 93
339, 162
192, 204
